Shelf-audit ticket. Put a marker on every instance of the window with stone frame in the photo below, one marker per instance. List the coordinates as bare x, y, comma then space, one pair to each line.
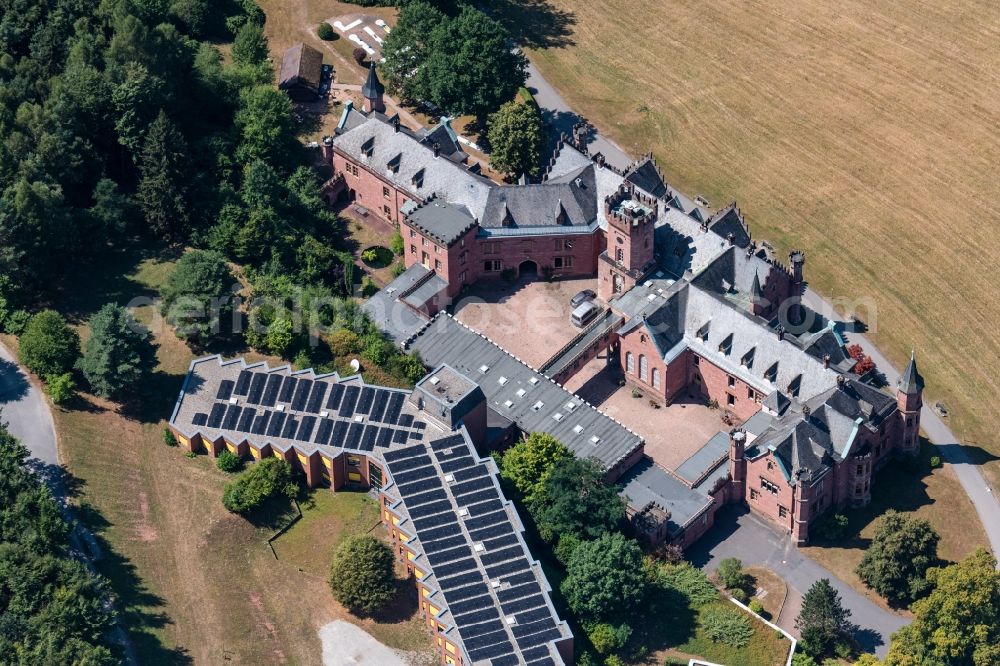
629, 363
769, 486
782, 512
754, 494
643, 368
656, 378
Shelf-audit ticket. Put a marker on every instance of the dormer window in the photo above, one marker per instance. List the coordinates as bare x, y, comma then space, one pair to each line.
368, 147
747, 360
702, 333
418, 179
727, 345
795, 385
393, 164
772, 373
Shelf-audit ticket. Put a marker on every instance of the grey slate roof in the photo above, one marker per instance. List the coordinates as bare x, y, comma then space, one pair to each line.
812, 444
515, 390
452, 182
442, 135
535, 205
443, 221
729, 221
644, 175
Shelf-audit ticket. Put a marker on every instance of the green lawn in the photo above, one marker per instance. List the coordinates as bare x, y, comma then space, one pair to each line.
684, 635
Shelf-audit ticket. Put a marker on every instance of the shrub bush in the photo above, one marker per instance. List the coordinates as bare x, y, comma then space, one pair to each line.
325, 32
268, 478
359, 55
726, 625
229, 462
636, 393
935, 462
168, 437
832, 527
688, 581
398, 269
608, 638
732, 575
739, 594
756, 606
61, 388
396, 244
344, 343
16, 322
361, 574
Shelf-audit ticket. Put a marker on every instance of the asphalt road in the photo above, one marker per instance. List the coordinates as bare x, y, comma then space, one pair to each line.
934, 426
25, 410
738, 533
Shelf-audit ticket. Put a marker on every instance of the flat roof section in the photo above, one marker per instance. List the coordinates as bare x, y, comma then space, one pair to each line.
529, 399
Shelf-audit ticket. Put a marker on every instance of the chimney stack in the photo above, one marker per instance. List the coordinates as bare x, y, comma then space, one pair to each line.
437, 149
826, 360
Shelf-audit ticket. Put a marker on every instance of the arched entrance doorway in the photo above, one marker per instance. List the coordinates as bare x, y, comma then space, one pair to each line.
527, 269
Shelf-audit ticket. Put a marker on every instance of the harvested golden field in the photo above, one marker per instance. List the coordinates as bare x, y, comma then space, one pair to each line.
866, 133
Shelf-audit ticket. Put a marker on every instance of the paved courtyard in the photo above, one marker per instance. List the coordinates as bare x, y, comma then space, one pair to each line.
671, 433
530, 318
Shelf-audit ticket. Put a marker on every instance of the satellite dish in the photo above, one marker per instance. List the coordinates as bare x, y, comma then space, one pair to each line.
355, 365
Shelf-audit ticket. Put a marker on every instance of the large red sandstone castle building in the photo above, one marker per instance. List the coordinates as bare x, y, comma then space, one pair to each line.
694, 307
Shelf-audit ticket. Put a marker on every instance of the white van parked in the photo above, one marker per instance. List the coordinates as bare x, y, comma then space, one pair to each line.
584, 313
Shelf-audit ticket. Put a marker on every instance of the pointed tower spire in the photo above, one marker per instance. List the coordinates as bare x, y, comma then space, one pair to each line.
911, 382
372, 91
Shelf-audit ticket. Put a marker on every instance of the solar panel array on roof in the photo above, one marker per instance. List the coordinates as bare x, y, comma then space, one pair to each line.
287, 389
316, 397
271, 392
301, 394
336, 393
215, 417
257, 388
243, 382
200, 419
484, 572
225, 390
365, 400
232, 416
246, 419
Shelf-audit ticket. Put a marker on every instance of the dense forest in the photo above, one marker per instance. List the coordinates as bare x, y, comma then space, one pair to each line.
122, 125
52, 609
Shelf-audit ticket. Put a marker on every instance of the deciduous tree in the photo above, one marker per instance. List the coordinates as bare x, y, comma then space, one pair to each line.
48, 346
959, 621
902, 549
605, 578
361, 574
527, 464
576, 500
516, 139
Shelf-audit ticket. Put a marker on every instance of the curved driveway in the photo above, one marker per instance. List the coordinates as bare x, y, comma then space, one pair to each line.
26, 411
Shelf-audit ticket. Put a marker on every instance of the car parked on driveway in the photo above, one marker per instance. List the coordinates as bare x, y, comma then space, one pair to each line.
582, 297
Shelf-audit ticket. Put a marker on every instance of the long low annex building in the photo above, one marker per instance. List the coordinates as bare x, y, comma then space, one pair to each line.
482, 595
